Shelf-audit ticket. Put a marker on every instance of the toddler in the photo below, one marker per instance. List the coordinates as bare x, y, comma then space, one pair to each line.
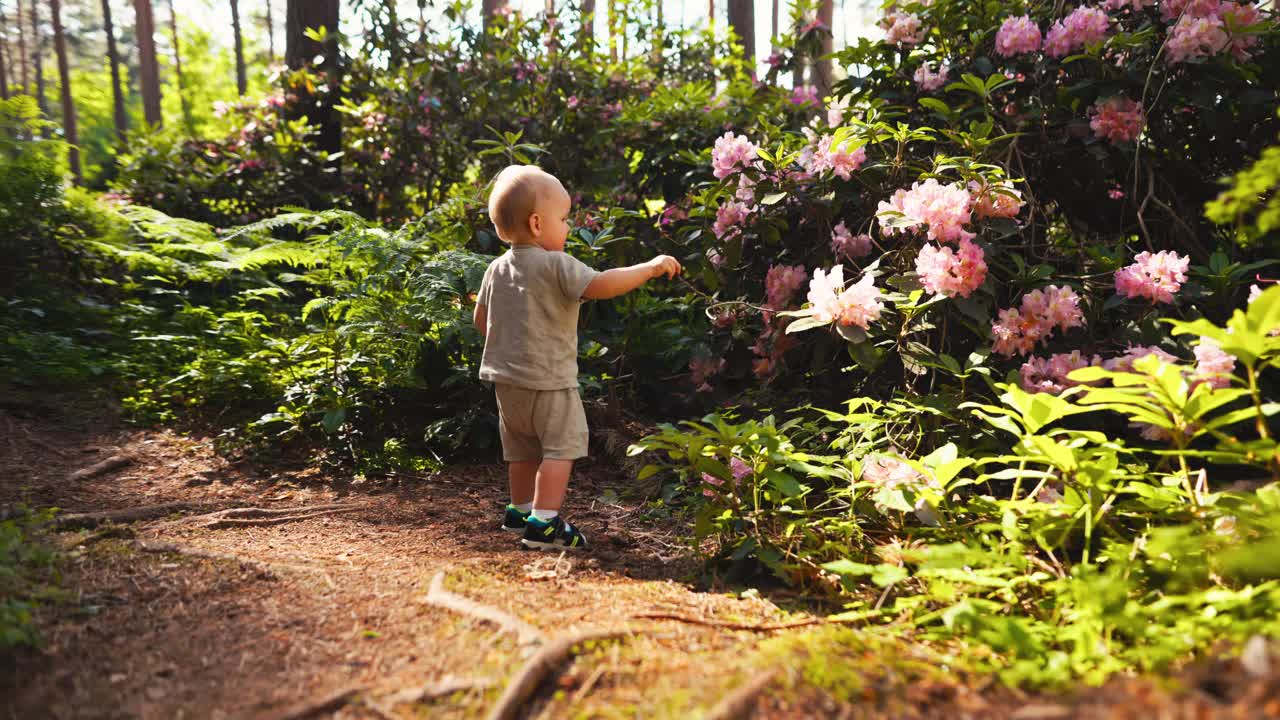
527, 310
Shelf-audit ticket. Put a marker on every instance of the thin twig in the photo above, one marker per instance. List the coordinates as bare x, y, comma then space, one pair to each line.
439, 597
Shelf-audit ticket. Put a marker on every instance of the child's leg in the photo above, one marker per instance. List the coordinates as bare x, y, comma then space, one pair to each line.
521, 478
552, 481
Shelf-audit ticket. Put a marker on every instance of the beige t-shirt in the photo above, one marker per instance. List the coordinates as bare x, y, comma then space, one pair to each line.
531, 337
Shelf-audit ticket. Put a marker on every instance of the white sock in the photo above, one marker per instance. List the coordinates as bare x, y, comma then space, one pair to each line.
524, 507
544, 515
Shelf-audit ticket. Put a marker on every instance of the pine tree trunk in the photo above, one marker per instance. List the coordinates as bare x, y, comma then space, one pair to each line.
183, 101
37, 58
22, 51
271, 36
113, 55
242, 81
4, 65
69, 130
742, 18
711, 13
298, 53
489, 8
822, 66
587, 33
148, 69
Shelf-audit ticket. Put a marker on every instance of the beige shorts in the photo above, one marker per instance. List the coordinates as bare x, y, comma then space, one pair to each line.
541, 424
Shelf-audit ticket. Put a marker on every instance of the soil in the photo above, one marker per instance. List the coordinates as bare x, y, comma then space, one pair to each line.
326, 613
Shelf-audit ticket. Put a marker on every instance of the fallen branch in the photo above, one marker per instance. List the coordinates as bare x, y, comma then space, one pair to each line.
264, 570
258, 522
76, 521
710, 622
326, 703
537, 670
115, 462
741, 702
439, 597
443, 687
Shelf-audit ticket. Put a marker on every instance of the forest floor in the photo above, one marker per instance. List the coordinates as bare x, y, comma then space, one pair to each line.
369, 601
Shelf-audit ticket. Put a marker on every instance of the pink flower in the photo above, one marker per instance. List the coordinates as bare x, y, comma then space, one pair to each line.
724, 319
839, 159
948, 272
1174, 9
1117, 119
1050, 374
835, 110
702, 369
1121, 4
731, 154
710, 479
928, 80
1000, 200
220, 108
1255, 292
1237, 17
1213, 366
1084, 26
1124, 363
424, 130
1115, 193
572, 102
859, 304
739, 469
943, 208
846, 244
902, 29
728, 219
1018, 34
1195, 37
781, 282
804, 95
1019, 330
1155, 277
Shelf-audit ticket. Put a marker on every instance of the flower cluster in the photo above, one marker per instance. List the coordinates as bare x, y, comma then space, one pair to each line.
1084, 26
846, 244
948, 272
1049, 375
836, 109
928, 80
859, 304
728, 219
943, 208
1213, 365
731, 154
1018, 34
702, 369
804, 95
902, 28
827, 155
998, 200
1117, 119
1205, 28
1018, 330
1155, 277
782, 282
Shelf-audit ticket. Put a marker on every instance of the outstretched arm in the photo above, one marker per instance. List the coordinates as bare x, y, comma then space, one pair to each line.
620, 281
480, 316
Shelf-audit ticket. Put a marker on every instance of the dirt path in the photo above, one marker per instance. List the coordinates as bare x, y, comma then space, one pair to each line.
247, 616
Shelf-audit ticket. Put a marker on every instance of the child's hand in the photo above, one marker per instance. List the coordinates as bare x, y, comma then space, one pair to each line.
664, 265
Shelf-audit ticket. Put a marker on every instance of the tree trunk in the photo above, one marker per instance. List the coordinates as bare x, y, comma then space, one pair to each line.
113, 55
711, 13
183, 101
822, 65
587, 33
271, 36
611, 19
242, 81
69, 129
148, 69
22, 51
774, 30
298, 53
37, 58
742, 18
4, 66
490, 8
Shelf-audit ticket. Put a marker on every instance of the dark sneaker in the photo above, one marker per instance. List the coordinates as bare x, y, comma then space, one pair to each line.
514, 520
555, 534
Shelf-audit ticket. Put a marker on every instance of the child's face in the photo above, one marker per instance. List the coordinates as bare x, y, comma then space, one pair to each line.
552, 226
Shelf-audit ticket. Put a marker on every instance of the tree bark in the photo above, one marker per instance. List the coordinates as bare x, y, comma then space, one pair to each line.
299, 52
22, 51
148, 69
587, 33
183, 101
271, 35
822, 65
242, 81
113, 55
4, 65
742, 18
490, 8
69, 129
37, 58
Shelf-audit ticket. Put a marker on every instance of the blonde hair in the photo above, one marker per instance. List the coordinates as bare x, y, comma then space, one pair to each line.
514, 197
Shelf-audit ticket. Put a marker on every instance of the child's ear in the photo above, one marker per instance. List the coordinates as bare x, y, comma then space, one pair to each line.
535, 224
